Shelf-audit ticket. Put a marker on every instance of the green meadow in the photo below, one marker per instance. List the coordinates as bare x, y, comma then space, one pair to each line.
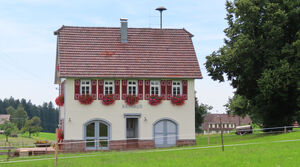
254, 150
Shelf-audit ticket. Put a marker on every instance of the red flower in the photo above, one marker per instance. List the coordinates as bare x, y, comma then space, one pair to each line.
131, 100
155, 99
85, 99
60, 135
60, 100
177, 100
108, 99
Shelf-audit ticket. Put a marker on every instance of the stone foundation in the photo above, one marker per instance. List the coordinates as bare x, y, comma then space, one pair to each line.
117, 144
130, 144
146, 144
186, 142
79, 145
72, 146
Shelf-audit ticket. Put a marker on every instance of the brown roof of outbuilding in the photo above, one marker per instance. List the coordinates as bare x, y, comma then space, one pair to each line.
149, 53
226, 118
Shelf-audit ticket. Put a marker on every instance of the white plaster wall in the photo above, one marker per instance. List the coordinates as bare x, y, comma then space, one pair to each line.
79, 114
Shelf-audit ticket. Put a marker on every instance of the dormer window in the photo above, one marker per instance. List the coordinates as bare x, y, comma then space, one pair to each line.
155, 88
85, 87
132, 88
176, 88
108, 87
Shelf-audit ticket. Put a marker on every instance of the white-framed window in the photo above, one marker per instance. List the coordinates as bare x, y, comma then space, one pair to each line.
213, 125
132, 88
176, 88
109, 87
155, 88
85, 87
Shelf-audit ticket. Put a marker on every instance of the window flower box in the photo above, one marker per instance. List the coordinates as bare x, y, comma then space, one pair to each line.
131, 100
60, 100
108, 99
177, 100
155, 100
85, 99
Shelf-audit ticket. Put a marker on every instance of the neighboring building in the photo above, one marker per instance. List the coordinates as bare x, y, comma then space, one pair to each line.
4, 117
126, 61
211, 122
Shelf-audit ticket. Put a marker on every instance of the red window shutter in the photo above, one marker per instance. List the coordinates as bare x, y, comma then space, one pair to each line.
147, 89
169, 89
100, 89
140, 89
117, 89
77, 89
62, 88
124, 89
163, 85
94, 89
185, 89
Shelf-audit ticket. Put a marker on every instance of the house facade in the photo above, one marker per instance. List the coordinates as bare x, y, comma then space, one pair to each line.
212, 122
125, 63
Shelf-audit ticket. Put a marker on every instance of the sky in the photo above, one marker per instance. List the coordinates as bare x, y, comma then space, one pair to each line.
28, 46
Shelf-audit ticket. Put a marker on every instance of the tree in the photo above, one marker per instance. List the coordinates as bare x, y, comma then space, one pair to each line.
261, 58
47, 112
9, 128
18, 116
32, 126
200, 111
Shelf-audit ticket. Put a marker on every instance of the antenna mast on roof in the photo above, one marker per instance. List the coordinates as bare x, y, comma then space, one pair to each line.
161, 9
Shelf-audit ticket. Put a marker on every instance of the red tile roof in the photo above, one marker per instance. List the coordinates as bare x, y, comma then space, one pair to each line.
149, 53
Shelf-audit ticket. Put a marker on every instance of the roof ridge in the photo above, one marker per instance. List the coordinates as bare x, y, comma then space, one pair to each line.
64, 26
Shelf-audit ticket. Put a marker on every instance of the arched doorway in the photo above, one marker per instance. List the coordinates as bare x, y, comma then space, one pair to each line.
165, 133
97, 134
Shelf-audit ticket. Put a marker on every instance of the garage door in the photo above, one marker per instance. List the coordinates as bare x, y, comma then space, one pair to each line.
165, 133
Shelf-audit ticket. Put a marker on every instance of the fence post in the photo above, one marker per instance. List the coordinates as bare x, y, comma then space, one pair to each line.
56, 146
222, 134
208, 135
8, 154
284, 129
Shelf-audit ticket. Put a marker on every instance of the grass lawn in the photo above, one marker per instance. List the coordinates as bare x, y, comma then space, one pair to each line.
24, 140
264, 153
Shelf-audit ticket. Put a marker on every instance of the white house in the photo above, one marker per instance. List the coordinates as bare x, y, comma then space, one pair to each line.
102, 61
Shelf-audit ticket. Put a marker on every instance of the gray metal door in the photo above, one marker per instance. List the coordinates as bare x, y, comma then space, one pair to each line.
165, 133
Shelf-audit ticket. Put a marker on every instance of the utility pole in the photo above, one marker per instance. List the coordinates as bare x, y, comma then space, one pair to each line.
221, 133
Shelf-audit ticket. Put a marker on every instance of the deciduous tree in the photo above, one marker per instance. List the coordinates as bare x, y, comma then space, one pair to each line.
261, 58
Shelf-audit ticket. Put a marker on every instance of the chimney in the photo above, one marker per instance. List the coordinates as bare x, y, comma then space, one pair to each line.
124, 29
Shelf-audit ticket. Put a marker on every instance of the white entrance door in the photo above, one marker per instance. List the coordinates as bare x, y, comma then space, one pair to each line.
165, 133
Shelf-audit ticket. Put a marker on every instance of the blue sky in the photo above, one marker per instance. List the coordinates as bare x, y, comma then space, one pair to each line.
28, 46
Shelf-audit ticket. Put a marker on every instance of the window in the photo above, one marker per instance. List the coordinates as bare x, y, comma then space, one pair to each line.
176, 88
213, 125
132, 87
108, 87
155, 88
85, 87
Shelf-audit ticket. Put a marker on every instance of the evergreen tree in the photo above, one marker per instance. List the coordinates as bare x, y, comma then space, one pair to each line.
47, 112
